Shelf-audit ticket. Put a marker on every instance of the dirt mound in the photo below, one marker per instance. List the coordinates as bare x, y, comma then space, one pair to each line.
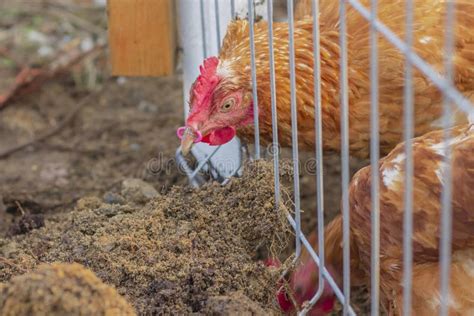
174, 254
61, 289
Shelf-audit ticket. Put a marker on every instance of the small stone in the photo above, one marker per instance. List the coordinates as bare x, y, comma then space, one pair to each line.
147, 107
135, 146
87, 44
121, 81
91, 203
108, 210
37, 37
138, 190
113, 198
45, 51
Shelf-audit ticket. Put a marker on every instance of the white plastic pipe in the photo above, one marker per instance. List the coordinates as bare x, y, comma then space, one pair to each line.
191, 36
192, 41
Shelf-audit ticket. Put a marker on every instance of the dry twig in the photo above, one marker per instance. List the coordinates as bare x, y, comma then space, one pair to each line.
22, 211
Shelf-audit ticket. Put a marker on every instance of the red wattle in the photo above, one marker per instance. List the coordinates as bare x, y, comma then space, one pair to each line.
220, 136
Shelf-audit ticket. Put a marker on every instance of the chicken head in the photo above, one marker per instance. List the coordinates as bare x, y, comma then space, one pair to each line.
218, 106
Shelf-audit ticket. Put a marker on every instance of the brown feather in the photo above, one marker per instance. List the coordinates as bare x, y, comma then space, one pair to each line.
428, 182
429, 41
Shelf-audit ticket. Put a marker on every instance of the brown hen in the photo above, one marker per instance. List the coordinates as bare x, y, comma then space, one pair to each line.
428, 183
221, 98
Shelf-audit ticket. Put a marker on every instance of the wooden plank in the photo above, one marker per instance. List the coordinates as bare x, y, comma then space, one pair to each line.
142, 37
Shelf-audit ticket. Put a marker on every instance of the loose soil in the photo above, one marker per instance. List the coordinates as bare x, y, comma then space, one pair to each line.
182, 252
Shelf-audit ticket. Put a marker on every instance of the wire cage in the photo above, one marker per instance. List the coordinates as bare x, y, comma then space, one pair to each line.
412, 62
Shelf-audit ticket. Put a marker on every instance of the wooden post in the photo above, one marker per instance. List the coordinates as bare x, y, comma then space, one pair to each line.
142, 37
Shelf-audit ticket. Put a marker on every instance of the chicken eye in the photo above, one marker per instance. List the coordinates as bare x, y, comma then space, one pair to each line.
227, 105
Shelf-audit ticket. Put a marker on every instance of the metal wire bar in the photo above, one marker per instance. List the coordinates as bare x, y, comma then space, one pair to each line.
446, 195
294, 126
196, 181
319, 151
439, 81
374, 162
327, 275
232, 9
203, 162
275, 148
218, 25
408, 194
345, 155
203, 29
254, 78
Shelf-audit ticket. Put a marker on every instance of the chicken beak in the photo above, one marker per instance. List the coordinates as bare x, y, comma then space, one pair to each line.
187, 143
188, 135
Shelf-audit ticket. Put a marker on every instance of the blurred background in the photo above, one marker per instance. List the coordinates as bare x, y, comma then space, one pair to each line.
62, 134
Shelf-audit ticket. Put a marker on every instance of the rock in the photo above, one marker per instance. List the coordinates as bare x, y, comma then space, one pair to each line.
147, 107
135, 147
113, 198
61, 289
138, 190
90, 202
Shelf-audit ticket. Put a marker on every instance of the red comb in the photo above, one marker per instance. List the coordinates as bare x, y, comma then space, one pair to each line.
205, 83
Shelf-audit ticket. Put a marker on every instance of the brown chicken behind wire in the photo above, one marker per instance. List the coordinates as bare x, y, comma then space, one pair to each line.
428, 43
428, 184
